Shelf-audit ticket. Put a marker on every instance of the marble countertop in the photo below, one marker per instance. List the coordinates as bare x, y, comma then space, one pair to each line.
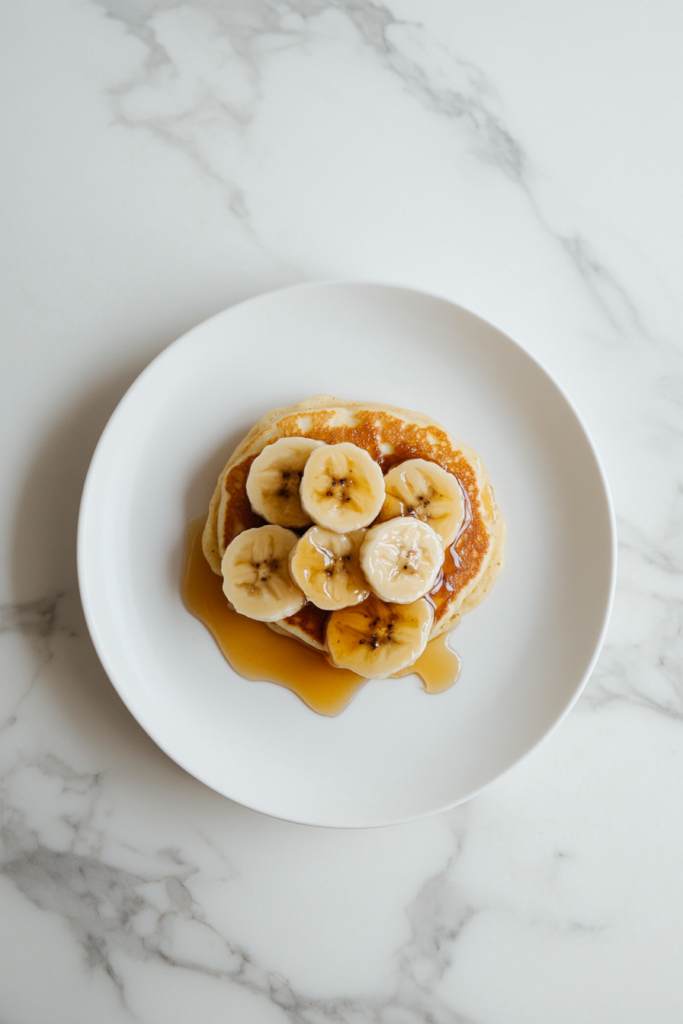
166, 160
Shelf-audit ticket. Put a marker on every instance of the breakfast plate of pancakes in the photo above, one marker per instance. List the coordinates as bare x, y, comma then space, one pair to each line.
396, 753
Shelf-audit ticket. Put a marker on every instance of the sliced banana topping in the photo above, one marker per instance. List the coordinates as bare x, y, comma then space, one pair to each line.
326, 566
256, 575
342, 487
401, 559
428, 492
376, 639
275, 477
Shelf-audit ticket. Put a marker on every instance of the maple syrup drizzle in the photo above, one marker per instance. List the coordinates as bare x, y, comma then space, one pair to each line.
438, 666
256, 652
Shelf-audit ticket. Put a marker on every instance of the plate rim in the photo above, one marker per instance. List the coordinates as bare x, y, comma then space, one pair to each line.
119, 412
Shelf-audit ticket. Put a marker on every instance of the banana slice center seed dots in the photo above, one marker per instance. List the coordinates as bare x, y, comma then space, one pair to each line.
326, 565
376, 639
342, 487
274, 481
428, 492
256, 577
401, 559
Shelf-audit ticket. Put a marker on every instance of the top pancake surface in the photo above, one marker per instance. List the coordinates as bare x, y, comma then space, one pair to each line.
390, 435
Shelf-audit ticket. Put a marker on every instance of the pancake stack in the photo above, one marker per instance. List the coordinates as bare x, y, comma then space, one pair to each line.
397, 507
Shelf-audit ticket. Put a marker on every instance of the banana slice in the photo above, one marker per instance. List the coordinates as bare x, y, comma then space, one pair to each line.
326, 566
256, 575
342, 487
424, 490
401, 559
376, 639
274, 480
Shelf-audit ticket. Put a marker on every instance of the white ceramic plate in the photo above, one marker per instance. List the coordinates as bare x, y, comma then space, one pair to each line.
396, 753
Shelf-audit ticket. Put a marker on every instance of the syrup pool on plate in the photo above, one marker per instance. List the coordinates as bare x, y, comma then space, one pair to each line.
256, 652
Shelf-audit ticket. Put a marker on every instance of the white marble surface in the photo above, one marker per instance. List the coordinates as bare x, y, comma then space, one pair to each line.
164, 160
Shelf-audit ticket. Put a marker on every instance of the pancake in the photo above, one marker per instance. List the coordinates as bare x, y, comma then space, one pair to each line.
390, 435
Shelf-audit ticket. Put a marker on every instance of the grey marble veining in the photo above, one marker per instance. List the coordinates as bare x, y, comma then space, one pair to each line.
151, 914
242, 35
118, 914
31, 618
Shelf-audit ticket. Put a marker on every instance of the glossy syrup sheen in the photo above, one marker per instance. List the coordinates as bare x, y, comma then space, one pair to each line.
256, 652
